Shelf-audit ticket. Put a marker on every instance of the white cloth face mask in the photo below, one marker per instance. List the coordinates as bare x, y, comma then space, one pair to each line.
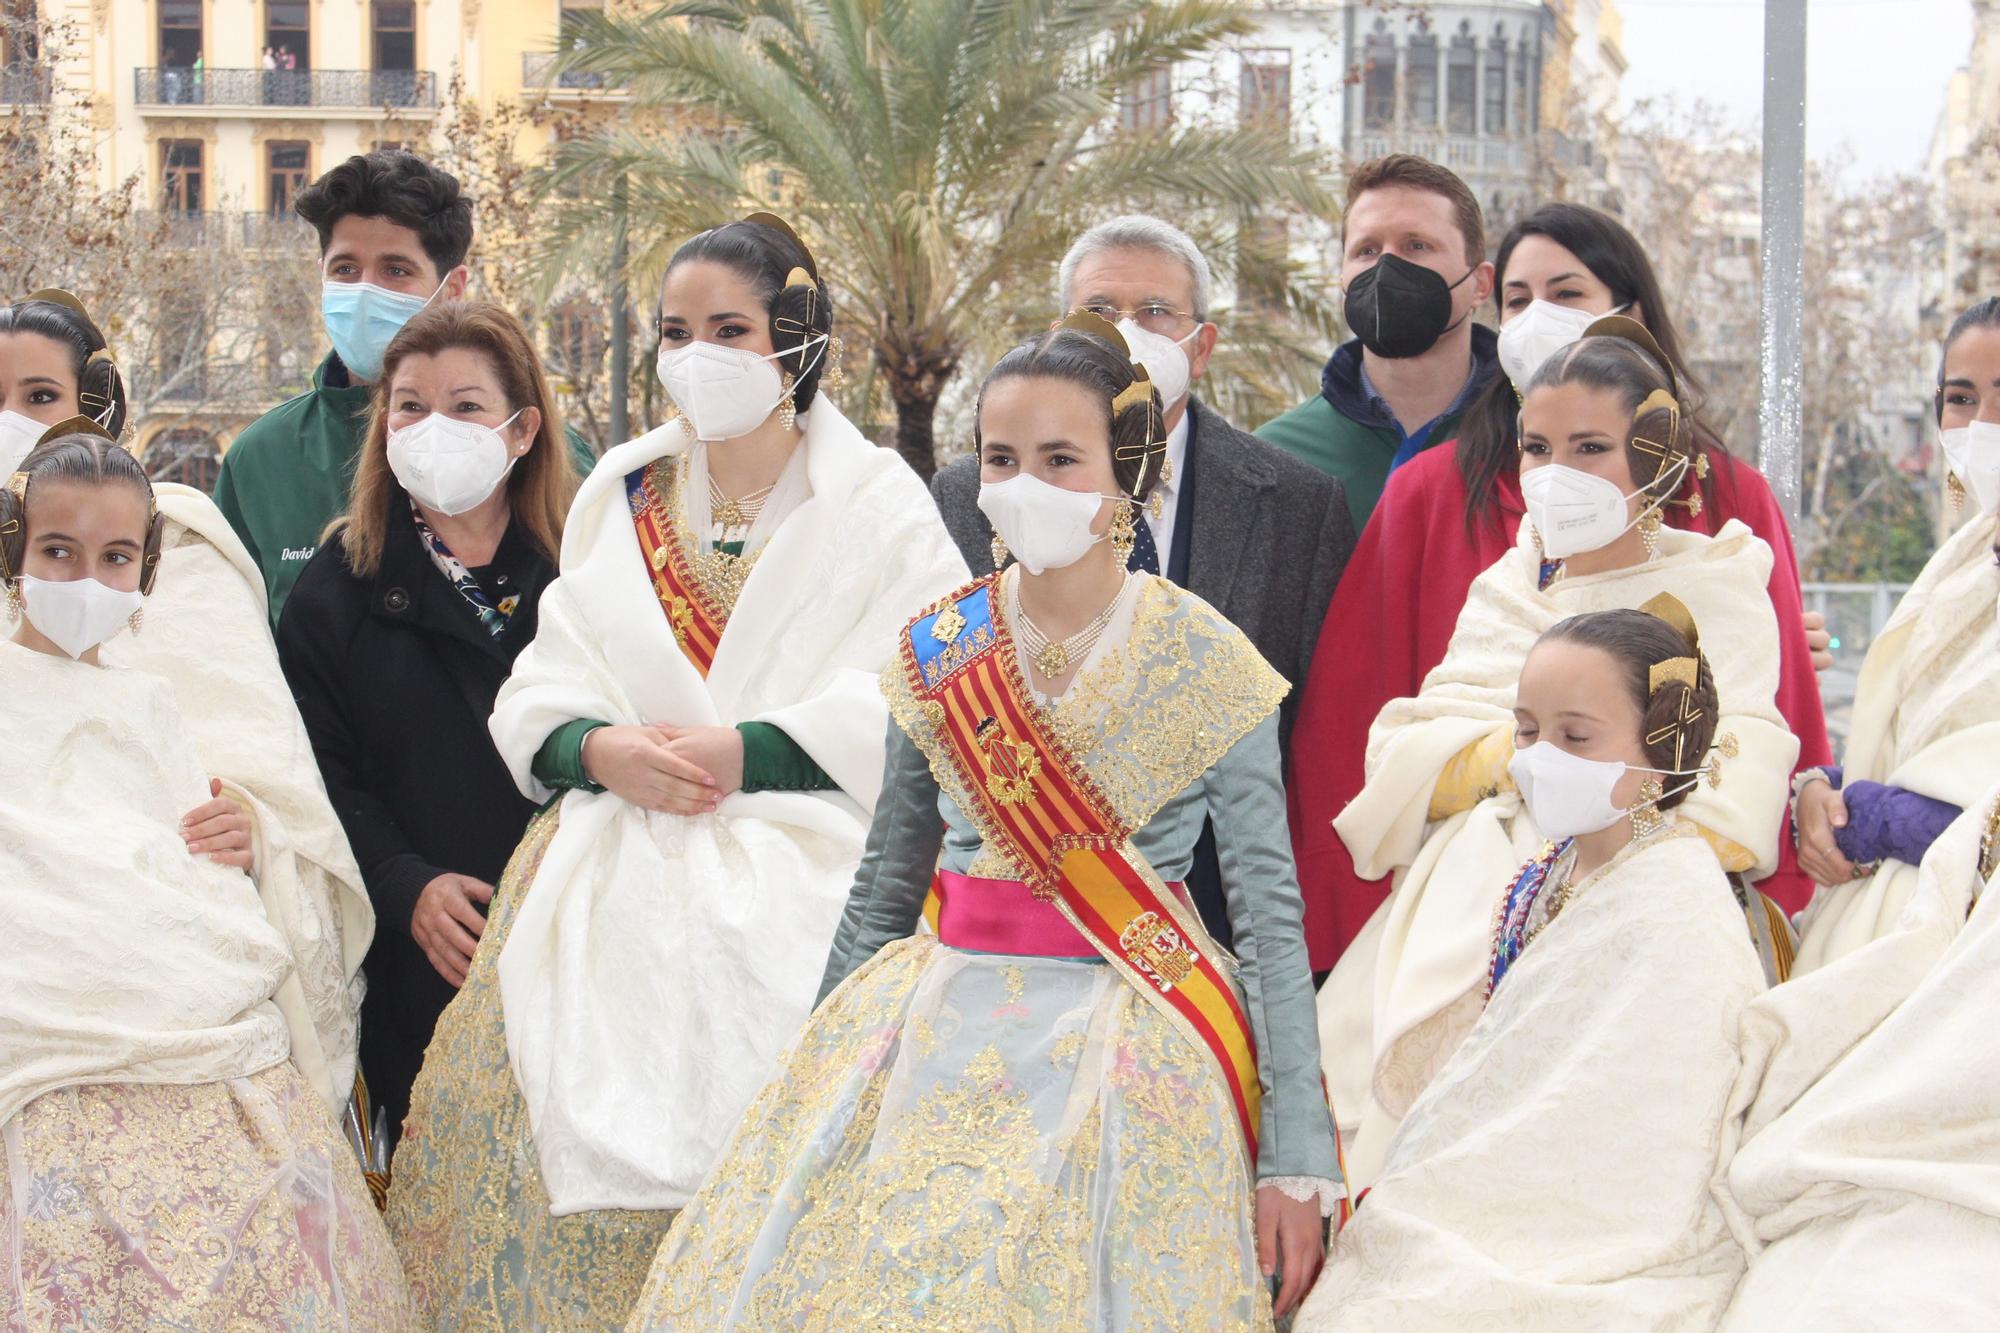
725, 392
1045, 526
1974, 454
1576, 511
1530, 338
449, 465
1165, 359
1568, 795
77, 614
18, 434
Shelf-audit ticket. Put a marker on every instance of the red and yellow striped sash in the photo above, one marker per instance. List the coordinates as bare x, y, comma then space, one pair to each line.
695, 618
1040, 809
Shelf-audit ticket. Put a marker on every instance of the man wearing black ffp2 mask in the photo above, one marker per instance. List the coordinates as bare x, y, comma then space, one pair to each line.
1400, 310
1413, 266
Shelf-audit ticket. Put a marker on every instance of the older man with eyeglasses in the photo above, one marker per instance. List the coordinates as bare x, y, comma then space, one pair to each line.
1242, 524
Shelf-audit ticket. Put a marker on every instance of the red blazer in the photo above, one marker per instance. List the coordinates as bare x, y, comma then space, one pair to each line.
1390, 621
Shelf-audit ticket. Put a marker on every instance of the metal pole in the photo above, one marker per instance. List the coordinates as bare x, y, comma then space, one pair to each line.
1779, 416
621, 322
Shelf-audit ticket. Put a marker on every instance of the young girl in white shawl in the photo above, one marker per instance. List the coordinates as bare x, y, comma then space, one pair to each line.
162, 1161
207, 632
1925, 739
1556, 1174
702, 692
1603, 443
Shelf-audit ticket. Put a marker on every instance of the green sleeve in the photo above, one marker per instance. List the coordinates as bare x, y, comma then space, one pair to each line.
773, 761
580, 452
231, 505
559, 763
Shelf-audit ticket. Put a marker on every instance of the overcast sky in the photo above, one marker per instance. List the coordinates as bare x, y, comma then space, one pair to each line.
1875, 75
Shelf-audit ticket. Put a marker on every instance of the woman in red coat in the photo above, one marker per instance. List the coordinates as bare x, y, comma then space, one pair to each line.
1455, 509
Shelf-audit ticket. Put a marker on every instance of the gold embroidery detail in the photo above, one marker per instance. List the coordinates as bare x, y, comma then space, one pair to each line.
950, 623
1011, 767
1155, 948
467, 1207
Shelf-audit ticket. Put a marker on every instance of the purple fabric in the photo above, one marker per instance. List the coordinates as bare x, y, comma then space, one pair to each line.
1888, 823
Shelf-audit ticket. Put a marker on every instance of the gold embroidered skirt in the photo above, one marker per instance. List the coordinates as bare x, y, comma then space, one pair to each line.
230, 1205
974, 1141
466, 1201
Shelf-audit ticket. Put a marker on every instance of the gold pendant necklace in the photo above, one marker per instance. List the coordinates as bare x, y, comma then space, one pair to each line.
1053, 657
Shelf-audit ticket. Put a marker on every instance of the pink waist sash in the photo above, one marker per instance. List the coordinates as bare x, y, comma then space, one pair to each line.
1004, 916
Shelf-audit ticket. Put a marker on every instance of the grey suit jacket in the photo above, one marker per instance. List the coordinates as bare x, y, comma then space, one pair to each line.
1268, 540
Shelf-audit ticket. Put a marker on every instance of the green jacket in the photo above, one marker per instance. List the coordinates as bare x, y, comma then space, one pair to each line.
286, 476
1340, 431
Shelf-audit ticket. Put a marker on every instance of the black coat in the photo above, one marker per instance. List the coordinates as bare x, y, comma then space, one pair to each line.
395, 678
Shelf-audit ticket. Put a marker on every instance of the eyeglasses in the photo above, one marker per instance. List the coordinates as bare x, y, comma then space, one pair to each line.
1152, 316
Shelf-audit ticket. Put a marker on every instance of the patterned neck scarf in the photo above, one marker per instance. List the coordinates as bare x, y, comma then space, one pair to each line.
493, 617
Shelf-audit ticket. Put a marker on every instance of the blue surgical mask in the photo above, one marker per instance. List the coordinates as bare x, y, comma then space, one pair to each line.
362, 319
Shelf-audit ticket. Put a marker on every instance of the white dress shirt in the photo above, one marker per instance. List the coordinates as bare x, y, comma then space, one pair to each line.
1169, 491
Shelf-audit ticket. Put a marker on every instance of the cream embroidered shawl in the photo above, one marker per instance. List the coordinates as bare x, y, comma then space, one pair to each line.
1406, 992
1867, 1189
660, 963
1556, 1174
123, 959
207, 632
1926, 718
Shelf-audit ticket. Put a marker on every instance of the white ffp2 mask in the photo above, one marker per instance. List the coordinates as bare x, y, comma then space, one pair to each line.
77, 614
449, 465
1165, 360
1568, 796
1530, 338
1045, 526
1574, 511
725, 392
1974, 454
18, 435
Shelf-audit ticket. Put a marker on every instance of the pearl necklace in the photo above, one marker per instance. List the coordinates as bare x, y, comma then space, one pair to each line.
740, 513
1053, 658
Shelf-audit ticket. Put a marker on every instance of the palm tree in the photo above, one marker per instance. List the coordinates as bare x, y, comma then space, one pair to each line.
939, 155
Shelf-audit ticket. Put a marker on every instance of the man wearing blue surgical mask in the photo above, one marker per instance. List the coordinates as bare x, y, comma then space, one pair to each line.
393, 231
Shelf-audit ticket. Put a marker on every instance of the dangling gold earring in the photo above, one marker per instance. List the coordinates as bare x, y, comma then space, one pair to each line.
836, 365
1123, 531
1954, 490
1649, 533
999, 552
14, 600
788, 412
1645, 816
136, 620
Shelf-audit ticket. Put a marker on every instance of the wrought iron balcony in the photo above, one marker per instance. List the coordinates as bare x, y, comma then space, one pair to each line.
24, 85
177, 230
176, 85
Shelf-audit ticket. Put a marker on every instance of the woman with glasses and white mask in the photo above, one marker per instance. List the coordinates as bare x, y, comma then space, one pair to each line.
1603, 446
396, 638
1925, 739
207, 631
1558, 1174
1450, 512
702, 696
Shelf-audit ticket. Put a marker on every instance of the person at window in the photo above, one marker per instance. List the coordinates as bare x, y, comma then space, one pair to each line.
396, 641
1451, 512
704, 697
1925, 736
1604, 447
1259, 535
1068, 1049
394, 233
163, 1162
1413, 269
